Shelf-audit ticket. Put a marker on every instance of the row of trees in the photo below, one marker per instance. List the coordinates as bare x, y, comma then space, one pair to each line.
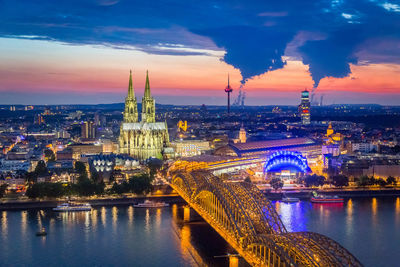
368, 181
140, 184
336, 180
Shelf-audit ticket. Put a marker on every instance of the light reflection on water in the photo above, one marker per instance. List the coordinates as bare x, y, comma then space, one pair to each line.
158, 237
366, 227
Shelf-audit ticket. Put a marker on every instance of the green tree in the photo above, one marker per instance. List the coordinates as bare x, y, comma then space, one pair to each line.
340, 180
154, 165
41, 190
140, 184
276, 183
3, 189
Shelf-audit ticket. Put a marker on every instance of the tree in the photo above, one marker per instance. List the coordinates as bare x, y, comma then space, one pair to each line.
49, 155
276, 183
41, 168
154, 165
40, 190
313, 180
80, 168
140, 184
363, 180
381, 182
391, 180
3, 189
340, 180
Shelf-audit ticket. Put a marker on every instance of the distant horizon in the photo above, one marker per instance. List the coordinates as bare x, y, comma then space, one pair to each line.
199, 105
82, 51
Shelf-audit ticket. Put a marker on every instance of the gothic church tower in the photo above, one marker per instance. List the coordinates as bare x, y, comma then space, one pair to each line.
148, 105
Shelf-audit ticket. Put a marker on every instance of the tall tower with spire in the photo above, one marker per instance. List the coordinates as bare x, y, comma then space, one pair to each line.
148, 105
228, 90
130, 112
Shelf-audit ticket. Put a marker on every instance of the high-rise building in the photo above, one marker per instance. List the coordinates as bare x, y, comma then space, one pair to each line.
304, 108
147, 138
228, 90
242, 135
88, 130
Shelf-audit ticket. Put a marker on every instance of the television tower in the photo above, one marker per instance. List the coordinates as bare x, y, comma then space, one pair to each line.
228, 89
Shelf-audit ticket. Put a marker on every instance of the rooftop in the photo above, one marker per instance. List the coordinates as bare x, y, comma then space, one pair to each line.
272, 144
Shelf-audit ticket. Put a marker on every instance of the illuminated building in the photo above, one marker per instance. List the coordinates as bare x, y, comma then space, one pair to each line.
188, 148
147, 138
242, 135
286, 165
228, 90
333, 142
304, 108
88, 130
38, 119
306, 146
182, 125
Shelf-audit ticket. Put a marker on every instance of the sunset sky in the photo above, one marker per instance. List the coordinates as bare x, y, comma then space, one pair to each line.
68, 52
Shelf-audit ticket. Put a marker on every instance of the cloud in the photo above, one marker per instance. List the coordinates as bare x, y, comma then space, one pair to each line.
256, 35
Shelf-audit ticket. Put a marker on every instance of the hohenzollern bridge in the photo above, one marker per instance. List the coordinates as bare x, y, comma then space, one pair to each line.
246, 219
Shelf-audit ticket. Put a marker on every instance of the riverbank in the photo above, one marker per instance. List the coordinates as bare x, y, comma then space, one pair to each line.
107, 201
303, 194
344, 193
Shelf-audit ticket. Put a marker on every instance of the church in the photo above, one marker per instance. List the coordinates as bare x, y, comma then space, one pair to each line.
145, 138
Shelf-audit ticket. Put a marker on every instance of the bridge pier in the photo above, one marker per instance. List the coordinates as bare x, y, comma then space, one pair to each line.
233, 261
190, 215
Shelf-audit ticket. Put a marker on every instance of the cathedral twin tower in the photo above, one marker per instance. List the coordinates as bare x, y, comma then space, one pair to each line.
145, 138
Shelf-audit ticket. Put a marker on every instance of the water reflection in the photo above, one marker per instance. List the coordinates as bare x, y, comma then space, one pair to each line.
397, 210
374, 208
4, 225
103, 216
292, 216
349, 217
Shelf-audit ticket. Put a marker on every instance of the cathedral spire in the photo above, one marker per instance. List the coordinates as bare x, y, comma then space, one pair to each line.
147, 93
131, 93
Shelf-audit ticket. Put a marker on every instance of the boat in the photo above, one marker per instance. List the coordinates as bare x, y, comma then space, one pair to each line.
151, 204
70, 206
42, 232
290, 199
325, 199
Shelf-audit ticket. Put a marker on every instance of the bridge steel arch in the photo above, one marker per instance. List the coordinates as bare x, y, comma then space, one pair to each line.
246, 219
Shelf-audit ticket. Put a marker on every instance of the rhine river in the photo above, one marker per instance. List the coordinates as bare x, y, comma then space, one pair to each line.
127, 236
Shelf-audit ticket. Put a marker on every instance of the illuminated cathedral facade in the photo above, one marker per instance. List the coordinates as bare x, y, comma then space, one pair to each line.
145, 138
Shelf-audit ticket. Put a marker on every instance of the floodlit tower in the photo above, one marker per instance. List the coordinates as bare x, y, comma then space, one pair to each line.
304, 108
242, 135
228, 90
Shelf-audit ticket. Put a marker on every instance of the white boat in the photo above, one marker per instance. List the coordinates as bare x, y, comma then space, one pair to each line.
290, 199
151, 204
69, 206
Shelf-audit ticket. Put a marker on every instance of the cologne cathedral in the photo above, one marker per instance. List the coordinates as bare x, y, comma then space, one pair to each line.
145, 138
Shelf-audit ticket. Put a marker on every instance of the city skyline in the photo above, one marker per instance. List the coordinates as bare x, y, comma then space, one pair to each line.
81, 52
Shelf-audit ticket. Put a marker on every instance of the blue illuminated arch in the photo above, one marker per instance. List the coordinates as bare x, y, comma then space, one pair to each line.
282, 159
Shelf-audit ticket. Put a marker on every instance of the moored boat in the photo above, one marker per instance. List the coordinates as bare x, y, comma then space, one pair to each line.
290, 199
42, 232
325, 199
69, 206
151, 204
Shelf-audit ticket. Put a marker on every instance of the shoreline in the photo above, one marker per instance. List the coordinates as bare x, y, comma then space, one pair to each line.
304, 194
52, 203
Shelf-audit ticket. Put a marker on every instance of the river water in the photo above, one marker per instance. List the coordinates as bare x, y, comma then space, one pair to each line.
127, 236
